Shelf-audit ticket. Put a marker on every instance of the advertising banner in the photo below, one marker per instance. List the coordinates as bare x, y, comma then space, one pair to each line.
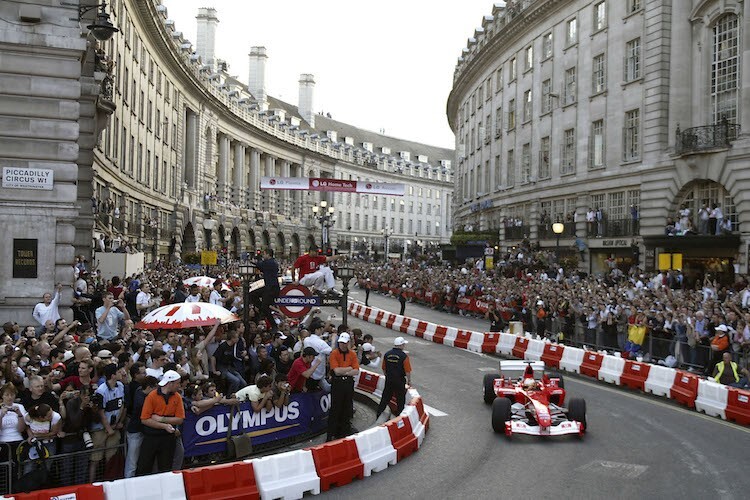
327, 184
207, 433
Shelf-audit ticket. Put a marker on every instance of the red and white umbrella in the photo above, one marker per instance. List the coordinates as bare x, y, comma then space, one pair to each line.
204, 281
185, 315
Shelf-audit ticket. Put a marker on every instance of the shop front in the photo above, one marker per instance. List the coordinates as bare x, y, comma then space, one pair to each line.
698, 257
609, 253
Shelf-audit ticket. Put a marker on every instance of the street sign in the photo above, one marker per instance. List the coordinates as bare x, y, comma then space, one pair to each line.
208, 258
296, 301
489, 251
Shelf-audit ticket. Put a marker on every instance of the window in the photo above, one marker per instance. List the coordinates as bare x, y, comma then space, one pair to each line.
487, 181
499, 80
487, 132
725, 69
411, 207
616, 205
511, 173
598, 75
528, 59
150, 114
131, 155
139, 164
512, 70
631, 150
526, 163
511, 114
600, 16
546, 96
570, 86
634, 6
571, 32
480, 95
164, 177
527, 105
488, 88
157, 127
633, 60
547, 46
125, 83
141, 107
596, 146
147, 176
498, 121
568, 156
544, 160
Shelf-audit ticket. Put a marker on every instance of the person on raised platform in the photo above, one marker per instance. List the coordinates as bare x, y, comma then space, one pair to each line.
313, 271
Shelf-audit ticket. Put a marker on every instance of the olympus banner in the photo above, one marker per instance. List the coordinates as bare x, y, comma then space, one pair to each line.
307, 412
324, 184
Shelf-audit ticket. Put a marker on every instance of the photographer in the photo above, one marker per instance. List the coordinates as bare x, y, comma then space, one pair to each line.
281, 391
108, 317
12, 424
77, 413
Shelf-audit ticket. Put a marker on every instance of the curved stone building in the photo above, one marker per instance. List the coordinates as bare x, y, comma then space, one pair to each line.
155, 144
623, 112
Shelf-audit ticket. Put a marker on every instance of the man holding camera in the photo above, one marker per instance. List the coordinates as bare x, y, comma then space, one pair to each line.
109, 316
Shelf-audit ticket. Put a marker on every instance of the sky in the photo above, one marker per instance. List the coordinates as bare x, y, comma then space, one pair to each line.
377, 65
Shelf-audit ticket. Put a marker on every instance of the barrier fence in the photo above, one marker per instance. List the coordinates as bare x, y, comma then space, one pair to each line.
284, 475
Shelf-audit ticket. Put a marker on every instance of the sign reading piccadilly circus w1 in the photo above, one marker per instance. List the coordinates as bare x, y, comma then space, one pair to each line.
325, 184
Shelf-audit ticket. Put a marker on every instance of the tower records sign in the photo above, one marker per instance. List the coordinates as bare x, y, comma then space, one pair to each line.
25, 258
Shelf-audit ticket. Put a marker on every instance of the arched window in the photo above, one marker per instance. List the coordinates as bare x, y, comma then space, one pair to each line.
700, 194
725, 69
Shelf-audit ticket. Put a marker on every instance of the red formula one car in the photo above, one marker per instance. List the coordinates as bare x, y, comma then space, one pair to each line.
525, 400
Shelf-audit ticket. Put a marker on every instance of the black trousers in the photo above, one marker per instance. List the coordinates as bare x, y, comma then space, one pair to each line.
159, 449
393, 388
269, 296
367, 296
340, 414
403, 308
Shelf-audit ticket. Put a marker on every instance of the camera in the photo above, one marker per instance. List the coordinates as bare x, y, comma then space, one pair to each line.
87, 442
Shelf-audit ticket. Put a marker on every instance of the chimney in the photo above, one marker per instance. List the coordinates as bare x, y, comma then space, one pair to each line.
206, 45
257, 78
305, 103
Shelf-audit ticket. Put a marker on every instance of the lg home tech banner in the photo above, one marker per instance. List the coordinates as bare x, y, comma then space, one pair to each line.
207, 433
325, 184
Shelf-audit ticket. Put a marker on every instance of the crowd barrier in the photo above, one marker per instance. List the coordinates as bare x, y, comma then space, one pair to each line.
688, 389
284, 475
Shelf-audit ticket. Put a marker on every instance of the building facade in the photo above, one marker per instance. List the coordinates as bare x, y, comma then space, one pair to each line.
176, 168
632, 114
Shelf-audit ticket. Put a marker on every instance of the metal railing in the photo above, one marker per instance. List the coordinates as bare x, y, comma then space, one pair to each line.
545, 230
610, 228
516, 232
706, 138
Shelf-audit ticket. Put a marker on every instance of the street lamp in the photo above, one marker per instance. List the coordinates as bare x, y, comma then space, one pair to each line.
246, 271
558, 228
346, 273
102, 29
324, 214
387, 232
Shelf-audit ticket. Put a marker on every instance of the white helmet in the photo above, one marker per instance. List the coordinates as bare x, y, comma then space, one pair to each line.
529, 383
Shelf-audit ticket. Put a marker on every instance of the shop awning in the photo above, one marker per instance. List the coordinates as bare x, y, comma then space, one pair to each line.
692, 242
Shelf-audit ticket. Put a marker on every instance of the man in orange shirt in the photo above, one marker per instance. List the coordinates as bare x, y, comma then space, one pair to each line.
162, 413
344, 367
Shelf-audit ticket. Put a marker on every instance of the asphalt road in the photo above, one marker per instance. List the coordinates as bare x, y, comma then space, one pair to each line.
637, 446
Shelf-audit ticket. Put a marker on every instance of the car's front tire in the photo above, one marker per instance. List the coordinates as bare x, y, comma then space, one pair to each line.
577, 411
489, 387
500, 414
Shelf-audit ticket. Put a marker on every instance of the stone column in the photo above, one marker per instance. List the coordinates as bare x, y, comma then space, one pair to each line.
222, 192
269, 196
238, 189
745, 77
254, 184
284, 207
190, 142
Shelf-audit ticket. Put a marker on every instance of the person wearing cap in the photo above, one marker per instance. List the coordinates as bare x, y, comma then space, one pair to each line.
302, 369
719, 345
344, 368
397, 369
105, 430
162, 412
370, 358
322, 349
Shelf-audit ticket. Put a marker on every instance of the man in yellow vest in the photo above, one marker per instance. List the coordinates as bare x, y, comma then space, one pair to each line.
726, 372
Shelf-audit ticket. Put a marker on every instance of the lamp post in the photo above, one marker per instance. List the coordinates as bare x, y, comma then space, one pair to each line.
246, 271
324, 214
346, 273
102, 29
387, 232
558, 228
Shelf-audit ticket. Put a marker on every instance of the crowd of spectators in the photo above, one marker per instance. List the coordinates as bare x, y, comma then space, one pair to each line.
84, 384
688, 327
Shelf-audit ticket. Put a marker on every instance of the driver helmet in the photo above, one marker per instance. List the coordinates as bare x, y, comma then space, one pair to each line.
529, 383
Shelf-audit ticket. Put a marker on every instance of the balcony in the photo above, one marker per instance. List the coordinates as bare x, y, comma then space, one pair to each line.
612, 228
707, 138
516, 232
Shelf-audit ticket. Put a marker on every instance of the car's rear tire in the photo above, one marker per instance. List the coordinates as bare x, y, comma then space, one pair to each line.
577, 410
500, 414
489, 387
560, 382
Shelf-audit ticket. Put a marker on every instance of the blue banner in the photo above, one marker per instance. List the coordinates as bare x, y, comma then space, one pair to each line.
207, 433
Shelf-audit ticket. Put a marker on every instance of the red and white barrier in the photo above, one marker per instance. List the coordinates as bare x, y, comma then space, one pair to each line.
712, 398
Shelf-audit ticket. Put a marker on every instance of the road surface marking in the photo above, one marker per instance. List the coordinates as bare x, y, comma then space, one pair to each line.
487, 369
616, 469
434, 412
